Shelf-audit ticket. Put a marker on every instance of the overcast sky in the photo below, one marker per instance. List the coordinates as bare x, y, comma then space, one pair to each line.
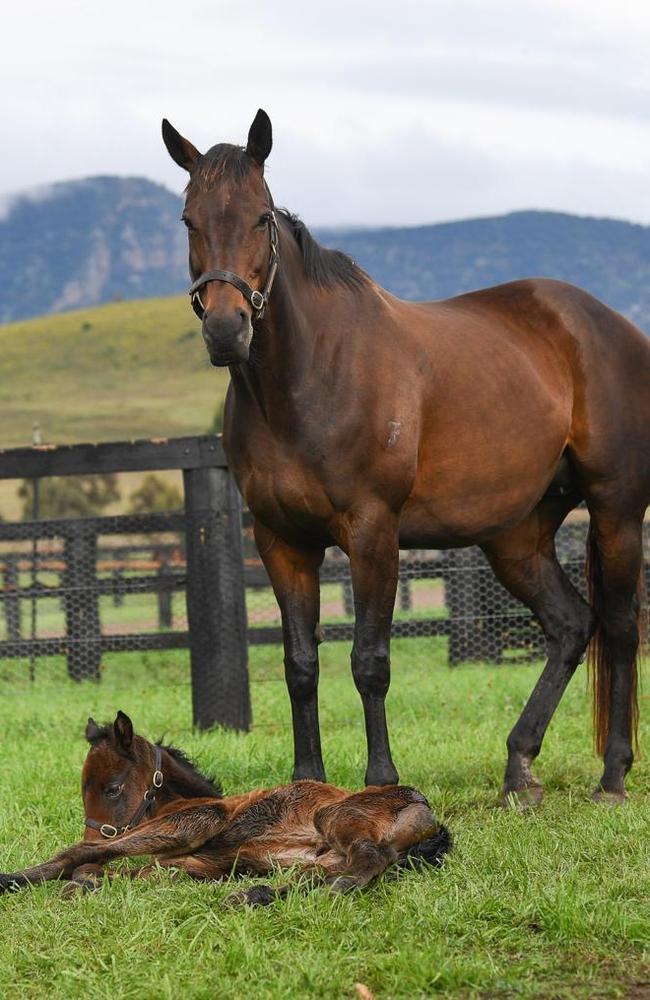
383, 112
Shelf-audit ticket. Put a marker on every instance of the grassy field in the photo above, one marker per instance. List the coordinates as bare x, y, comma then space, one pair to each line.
118, 372
553, 904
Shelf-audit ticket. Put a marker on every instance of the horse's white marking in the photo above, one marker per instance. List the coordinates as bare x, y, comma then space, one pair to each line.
394, 429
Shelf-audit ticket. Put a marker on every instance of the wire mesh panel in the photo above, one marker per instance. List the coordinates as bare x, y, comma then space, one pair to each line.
82, 586
453, 594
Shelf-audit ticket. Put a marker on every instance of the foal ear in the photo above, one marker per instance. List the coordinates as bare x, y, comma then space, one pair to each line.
180, 149
123, 731
260, 138
93, 731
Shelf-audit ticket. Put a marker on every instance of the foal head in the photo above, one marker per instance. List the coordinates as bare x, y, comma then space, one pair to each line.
125, 778
232, 236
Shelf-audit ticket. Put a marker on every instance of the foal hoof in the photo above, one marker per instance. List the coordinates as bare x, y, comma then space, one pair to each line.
609, 798
258, 895
10, 883
522, 798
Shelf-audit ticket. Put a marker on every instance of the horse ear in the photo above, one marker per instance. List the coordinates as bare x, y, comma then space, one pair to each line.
93, 731
123, 731
180, 149
260, 138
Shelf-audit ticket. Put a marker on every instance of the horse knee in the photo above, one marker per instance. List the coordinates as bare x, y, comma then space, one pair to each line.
371, 671
301, 672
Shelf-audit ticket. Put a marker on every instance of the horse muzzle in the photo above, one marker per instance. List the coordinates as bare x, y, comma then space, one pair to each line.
227, 338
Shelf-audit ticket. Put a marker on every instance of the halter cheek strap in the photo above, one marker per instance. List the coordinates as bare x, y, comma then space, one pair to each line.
146, 806
257, 299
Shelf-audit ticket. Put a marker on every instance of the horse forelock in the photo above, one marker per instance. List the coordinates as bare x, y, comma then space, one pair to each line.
222, 163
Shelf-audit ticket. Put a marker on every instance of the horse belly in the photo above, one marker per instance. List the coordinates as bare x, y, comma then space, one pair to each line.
469, 495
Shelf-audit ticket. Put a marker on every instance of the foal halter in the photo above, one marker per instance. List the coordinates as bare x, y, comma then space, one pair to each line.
146, 806
257, 299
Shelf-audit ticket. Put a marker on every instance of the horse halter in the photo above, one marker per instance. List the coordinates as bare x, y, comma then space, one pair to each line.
146, 806
257, 299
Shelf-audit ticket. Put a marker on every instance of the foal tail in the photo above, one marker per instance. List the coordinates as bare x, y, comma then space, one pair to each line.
430, 852
598, 664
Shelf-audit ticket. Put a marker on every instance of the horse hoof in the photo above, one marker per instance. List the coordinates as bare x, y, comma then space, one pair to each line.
609, 798
383, 775
522, 798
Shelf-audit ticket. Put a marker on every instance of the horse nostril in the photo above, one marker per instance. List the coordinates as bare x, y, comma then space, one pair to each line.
242, 315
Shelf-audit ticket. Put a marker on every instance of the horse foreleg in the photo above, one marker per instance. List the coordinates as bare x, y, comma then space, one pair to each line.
525, 562
371, 541
175, 833
294, 576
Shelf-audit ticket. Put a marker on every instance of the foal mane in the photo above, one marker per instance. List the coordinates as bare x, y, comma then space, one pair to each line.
324, 267
200, 784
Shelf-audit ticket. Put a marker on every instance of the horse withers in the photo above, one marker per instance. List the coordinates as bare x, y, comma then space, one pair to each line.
143, 798
359, 420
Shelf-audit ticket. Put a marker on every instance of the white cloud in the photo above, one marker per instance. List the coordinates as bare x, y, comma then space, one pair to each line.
381, 111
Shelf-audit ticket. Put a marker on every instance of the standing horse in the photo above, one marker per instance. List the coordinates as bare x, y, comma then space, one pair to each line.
359, 420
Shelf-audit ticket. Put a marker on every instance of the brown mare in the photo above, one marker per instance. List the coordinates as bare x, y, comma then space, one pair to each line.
359, 420
341, 838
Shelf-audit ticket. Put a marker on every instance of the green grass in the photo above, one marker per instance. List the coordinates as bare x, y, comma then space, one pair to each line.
550, 904
117, 372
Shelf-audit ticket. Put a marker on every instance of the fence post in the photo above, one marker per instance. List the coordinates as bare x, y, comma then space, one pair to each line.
83, 629
12, 601
164, 585
216, 600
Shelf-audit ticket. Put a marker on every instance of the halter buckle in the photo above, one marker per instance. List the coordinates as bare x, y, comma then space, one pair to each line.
257, 300
157, 779
108, 831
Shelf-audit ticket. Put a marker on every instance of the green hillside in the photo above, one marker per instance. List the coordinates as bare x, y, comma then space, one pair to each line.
115, 372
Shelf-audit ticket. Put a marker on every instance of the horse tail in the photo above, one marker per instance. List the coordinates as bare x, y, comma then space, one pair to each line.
431, 851
598, 664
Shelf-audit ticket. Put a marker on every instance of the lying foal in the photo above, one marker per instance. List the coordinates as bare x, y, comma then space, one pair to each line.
147, 799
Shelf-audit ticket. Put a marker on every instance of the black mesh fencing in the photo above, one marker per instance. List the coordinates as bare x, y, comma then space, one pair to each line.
80, 588
453, 594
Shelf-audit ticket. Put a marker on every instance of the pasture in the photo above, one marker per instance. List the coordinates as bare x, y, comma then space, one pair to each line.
554, 903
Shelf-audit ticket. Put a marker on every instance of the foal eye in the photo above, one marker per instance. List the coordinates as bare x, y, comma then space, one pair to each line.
187, 223
263, 219
113, 790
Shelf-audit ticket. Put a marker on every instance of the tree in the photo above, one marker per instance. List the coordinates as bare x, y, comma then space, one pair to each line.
69, 496
155, 494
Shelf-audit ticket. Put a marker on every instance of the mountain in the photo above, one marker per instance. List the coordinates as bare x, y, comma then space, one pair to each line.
84, 242
81, 243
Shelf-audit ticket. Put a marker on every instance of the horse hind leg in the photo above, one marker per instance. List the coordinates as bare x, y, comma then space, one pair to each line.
616, 563
525, 562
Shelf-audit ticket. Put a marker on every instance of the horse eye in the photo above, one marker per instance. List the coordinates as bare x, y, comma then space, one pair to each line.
263, 219
187, 223
113, 790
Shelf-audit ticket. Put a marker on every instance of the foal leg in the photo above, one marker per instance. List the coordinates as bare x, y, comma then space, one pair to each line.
619, 544
371, 541
167, 836
525, 562
294, 575
369, 831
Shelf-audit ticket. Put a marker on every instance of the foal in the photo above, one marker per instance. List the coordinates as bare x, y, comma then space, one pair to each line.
147, 799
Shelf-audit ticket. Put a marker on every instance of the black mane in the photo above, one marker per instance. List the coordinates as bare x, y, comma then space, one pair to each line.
326, 268
202, 784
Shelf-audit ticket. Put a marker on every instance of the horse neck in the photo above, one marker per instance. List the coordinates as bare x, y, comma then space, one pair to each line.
299, 332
